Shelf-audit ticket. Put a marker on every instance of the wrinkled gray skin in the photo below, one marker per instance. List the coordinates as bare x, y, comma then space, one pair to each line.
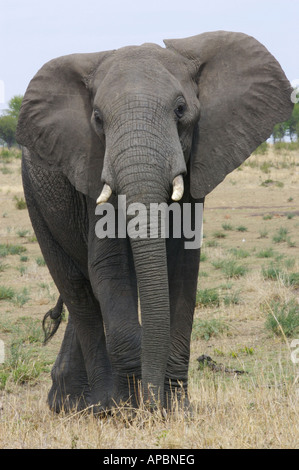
135, 118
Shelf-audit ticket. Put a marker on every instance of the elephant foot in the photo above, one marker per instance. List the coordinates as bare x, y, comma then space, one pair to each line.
126, 392
59, 401
176, 400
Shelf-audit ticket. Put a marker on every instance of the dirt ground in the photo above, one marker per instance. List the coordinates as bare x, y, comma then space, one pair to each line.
251, 224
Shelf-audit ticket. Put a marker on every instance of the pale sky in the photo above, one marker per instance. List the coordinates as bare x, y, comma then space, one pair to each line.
33, 31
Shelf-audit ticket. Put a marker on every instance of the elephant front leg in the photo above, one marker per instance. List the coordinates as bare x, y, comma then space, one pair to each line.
82, 372
113, 281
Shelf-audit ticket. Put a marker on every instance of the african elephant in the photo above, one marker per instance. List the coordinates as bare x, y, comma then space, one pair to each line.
155, 124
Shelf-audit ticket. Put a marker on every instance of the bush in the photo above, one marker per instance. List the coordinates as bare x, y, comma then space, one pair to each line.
278, 146
20, 203
207, 297
281, 235
272, 272
8, 249
205, 329
6, 293
230, 268
285, 314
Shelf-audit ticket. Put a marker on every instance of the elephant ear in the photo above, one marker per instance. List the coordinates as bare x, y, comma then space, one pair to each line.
54, 122
243, 93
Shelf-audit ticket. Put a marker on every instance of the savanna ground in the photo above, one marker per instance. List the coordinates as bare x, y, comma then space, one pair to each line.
246, 318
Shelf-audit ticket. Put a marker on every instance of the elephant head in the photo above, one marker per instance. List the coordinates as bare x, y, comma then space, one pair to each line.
139, 121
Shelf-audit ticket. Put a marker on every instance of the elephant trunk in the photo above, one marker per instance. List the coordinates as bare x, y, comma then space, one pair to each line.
150, 261
151, 270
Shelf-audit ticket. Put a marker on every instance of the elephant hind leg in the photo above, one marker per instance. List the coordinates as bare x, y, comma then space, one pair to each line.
70, 388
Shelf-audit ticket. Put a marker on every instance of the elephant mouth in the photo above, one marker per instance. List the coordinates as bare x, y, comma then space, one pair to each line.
177, 191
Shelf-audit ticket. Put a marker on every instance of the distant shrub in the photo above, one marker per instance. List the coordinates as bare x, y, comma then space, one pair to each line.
205, 329
285, 314
281, 235
20, 203
272, 272
239, 253
227, 226
8, 249
242, 228
6, 293
230, 268
278, 146
207, 297
40, 261
266, 253
219, 234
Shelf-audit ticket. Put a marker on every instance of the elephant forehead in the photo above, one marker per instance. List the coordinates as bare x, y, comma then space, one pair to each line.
139, 69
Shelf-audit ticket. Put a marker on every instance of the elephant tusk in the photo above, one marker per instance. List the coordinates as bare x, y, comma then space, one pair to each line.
178, 188
105, 194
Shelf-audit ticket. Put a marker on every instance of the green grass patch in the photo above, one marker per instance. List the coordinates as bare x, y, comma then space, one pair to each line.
3, 266
273, 272
269, 182
230, 268
211, 243
8, 249
263, 233
219, 234
24, 363
207, 298
283, 316
227, 226
22, 233
278, 146
266, 253
293, 280
206, 329
242, 228
6, 293
40, 261
20, 203
281, 235
239, 253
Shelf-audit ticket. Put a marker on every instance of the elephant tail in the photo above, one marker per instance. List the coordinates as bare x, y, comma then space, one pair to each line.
52, 320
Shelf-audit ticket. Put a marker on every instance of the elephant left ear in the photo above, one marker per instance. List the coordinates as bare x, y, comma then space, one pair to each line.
243, 93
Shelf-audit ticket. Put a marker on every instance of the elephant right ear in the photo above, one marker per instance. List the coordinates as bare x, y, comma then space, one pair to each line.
243, 93
54, 121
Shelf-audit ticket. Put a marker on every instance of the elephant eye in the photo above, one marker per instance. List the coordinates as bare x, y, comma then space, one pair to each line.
180, 110
97, 117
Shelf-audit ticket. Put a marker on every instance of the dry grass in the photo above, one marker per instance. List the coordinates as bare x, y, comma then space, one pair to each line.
257, 409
